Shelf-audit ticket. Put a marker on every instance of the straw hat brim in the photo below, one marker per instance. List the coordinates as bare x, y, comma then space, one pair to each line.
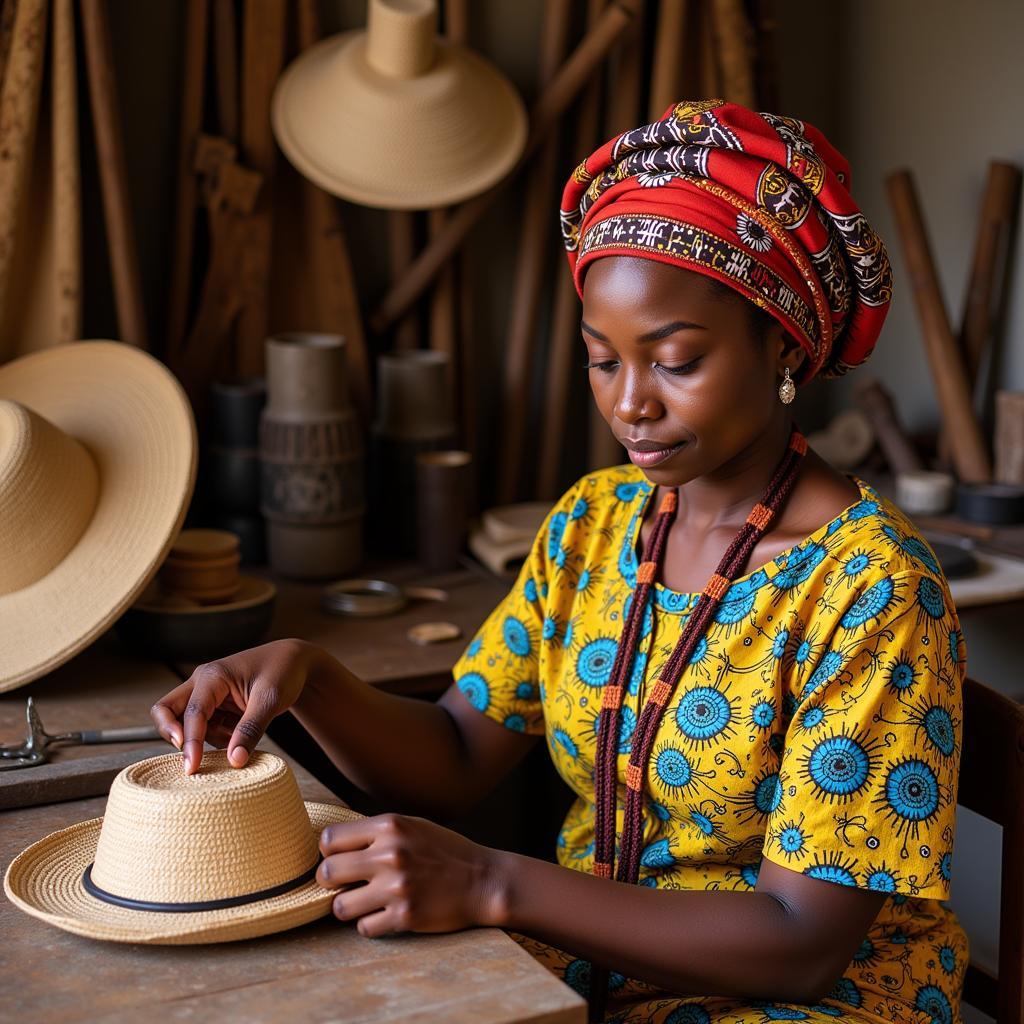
401, 144
46, 881
134, 418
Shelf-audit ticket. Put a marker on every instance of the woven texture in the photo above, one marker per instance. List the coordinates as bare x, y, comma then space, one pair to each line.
124, 412
171, 837
411, 142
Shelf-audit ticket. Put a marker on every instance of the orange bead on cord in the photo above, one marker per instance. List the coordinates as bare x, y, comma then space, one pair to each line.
606, 759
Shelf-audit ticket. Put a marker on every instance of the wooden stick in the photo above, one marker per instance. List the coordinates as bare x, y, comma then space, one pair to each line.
624, 101
735, 47
262, 60
1009, 437
333, 279
707, 63
767, 60
564, 337
106, 118
67, 190
442, 311
948, 372
8, 12
401, 253
572, 76
225, 70
193, 76
538, 219
668, 45
998, 212
602, 449
875, 401
453, 287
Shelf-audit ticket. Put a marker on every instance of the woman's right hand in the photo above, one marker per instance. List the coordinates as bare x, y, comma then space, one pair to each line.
231, 701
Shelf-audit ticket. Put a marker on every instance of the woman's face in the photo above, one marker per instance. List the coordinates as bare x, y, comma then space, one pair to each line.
678, 364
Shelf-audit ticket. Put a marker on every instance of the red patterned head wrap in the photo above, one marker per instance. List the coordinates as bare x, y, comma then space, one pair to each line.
758, 201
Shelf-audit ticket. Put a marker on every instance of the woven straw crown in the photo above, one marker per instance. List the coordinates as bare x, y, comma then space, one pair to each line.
48, 489
175, 838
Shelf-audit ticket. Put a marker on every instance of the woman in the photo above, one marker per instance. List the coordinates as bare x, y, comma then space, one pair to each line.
746, 664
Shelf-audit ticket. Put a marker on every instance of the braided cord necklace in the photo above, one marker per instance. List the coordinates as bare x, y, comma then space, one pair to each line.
606, 758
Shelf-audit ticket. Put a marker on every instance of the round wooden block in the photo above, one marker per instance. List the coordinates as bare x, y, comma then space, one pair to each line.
204, 545
434, 632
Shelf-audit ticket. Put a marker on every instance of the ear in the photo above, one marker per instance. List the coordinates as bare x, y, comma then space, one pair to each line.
789, 351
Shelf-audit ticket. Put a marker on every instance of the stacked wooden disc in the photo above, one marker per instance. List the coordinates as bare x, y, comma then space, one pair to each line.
203, 566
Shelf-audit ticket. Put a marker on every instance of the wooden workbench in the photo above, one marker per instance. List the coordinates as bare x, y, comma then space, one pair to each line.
321, 971
324, 970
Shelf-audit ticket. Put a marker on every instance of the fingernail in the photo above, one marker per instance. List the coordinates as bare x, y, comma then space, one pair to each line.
239, 755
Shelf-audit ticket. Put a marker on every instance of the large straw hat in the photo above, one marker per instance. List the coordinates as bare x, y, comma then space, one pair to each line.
97, 465
226, 853
394, 117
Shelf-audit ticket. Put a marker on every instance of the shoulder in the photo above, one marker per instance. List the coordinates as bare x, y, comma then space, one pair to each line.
891, 540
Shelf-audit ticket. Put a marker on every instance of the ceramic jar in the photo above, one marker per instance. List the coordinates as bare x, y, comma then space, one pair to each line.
414, 414
312, 459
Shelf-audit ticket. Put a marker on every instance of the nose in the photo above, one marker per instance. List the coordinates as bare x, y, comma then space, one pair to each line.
635, 399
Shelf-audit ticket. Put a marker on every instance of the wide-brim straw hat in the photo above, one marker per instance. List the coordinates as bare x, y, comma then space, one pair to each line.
97, 466
393, 117
223, 854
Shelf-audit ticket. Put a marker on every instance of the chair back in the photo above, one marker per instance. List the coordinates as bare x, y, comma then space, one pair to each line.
992, 785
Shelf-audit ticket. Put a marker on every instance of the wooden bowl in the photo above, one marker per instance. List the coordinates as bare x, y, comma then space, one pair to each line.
168, 626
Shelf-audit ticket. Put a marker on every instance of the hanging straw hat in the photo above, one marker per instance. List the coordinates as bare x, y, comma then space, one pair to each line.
97, 465
227, 853
395, 117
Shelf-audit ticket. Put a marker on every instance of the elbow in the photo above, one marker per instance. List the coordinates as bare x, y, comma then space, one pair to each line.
817, 974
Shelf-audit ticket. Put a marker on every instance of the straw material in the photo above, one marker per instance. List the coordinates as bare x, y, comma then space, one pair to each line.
394, 117
175, 838
97, 466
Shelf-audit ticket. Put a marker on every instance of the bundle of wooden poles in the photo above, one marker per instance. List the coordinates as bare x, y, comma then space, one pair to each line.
603, 66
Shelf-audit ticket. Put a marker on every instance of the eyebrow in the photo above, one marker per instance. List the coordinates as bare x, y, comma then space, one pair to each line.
656, 335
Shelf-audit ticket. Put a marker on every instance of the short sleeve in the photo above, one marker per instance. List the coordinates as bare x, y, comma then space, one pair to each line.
867, 786
500, 671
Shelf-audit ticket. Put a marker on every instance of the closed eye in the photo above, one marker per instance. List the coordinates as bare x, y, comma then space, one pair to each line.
609, 364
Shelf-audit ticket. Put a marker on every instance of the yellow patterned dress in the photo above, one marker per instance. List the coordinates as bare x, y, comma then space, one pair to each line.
818, 725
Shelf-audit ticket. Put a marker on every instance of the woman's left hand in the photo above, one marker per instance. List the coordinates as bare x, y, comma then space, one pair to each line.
419, 876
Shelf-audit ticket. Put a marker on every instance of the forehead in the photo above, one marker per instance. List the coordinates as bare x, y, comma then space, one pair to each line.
630, 285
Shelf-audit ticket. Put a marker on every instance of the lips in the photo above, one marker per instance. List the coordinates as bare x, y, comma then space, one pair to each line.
649, 446
653, 458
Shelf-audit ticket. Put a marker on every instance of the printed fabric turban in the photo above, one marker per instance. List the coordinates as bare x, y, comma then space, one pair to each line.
758, 201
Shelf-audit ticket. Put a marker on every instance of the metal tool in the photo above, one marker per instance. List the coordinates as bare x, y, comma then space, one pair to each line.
35, 749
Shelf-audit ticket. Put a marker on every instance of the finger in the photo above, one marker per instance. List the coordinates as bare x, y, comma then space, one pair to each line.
343, 836
208, 692
260, 710
351, 904
389, 921
167, 711
345, 869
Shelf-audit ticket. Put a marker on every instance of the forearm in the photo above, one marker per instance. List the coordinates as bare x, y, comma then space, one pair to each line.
694, 942
406, 752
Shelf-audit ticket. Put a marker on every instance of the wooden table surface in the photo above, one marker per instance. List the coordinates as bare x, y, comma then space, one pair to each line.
376, 648
320, 971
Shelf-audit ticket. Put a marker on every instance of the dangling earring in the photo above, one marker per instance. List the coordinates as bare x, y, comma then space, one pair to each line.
787, 389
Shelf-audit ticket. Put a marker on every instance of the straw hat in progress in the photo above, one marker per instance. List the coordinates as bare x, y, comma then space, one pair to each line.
391, 116
97, 465
227, 853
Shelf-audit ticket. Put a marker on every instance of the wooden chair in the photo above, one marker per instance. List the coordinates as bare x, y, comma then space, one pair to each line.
992, 784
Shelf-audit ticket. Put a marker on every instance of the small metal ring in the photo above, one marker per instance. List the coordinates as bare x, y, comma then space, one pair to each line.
362, 597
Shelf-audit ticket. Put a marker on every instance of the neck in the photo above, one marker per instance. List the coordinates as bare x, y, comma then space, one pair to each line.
724, 497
